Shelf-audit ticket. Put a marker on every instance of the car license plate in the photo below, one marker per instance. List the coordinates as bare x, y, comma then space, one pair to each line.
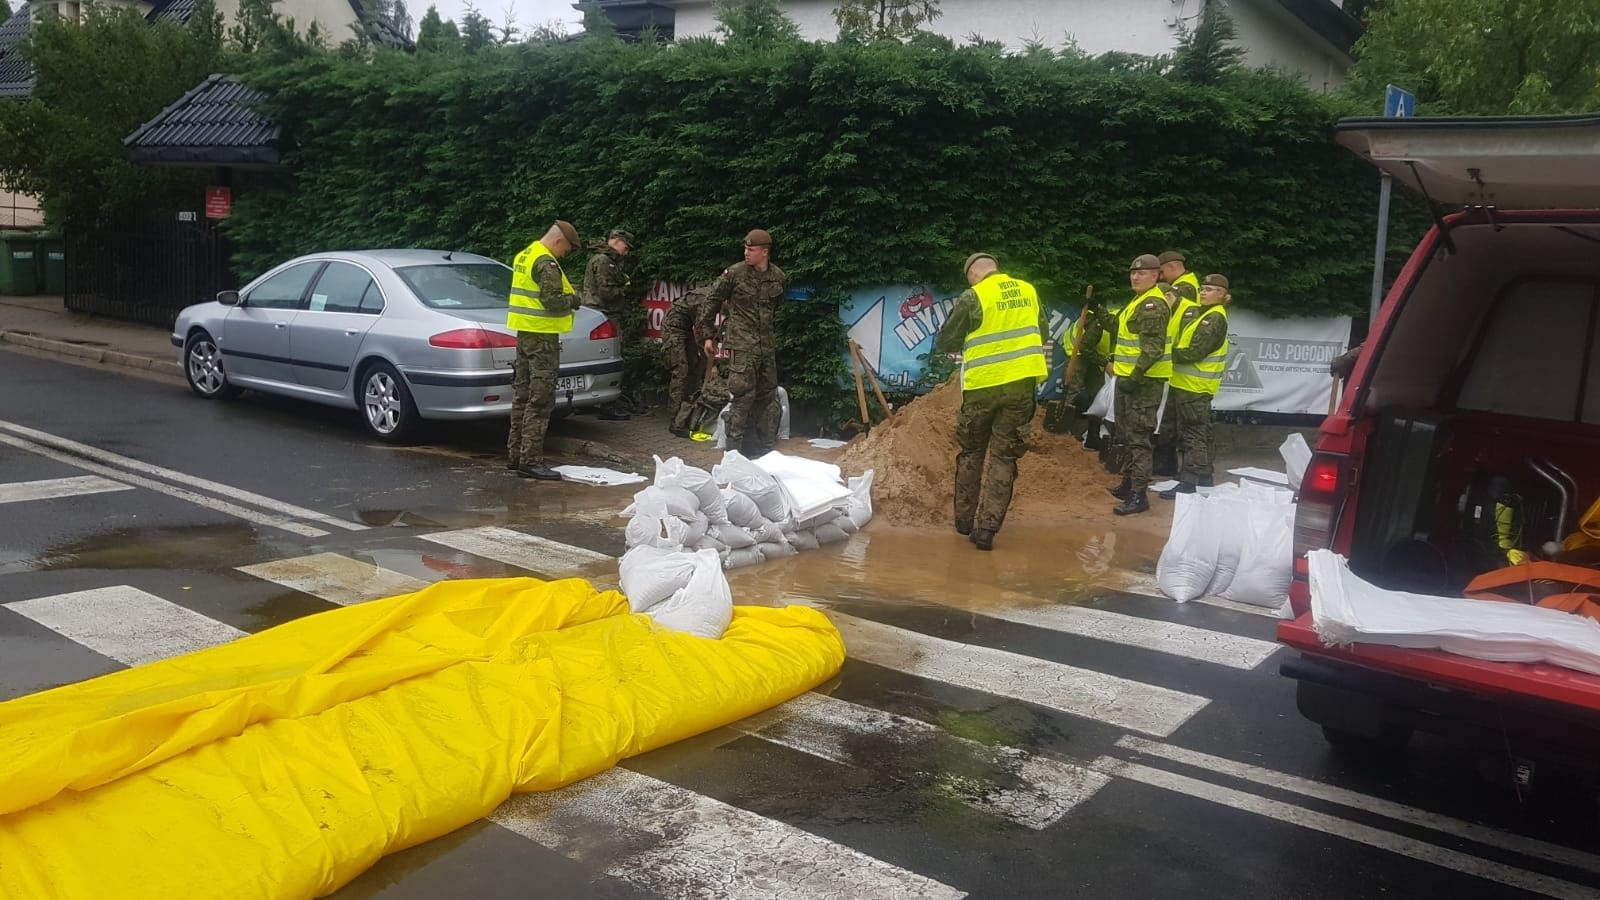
574, 383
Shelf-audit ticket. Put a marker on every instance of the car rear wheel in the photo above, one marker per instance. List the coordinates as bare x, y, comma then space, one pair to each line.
202, 368
386, 405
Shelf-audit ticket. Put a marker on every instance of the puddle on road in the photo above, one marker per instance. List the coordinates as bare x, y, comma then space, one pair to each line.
183, 547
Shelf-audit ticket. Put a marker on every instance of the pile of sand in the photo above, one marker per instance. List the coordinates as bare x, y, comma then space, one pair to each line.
914, 459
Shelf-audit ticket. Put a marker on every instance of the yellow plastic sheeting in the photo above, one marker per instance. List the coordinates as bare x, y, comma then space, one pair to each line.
286, 763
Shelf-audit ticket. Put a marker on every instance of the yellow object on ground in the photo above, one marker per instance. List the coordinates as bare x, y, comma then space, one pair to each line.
286, 763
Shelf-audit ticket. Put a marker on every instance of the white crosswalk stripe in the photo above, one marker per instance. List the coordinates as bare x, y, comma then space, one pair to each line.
1128, 704
335, 578
125, 623
54, 488
538, 555
1037, 791
1173, 638
679, 844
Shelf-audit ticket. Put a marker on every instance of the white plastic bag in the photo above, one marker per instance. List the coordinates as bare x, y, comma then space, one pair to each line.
1296, 457
1226, 514
650, 575
783, 414
719, 435
702, 607
1190, 557
754, 482
652, 525
1266, 565
675, 473
860, 506
811, 488
1105, 401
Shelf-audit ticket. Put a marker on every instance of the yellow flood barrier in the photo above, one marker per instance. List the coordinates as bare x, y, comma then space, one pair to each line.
284, 764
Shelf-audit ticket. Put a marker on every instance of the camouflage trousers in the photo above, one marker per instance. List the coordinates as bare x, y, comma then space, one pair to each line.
753, 382
688, 367
1194, 434
1138, 405
992, 433
533, 395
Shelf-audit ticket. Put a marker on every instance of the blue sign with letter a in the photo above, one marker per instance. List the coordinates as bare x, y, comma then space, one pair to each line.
1399, 103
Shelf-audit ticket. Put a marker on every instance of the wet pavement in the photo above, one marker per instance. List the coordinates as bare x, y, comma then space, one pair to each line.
1024, 723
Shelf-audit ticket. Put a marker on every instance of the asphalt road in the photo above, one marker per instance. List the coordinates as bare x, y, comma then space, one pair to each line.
1005, 726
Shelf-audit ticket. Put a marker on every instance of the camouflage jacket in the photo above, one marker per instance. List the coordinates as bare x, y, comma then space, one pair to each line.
748, 299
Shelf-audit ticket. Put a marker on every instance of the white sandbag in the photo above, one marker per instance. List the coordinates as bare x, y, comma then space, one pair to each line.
776, 549
830, 533
846, 524
702, 607
1226, 514
1190, 557
804, 540
860, 505
1266, 564
681, 502
1105, 401
719, 434
783, 414
1296, 457
733, 536
810, 487
742, 511
674, 472
649, 575
768, 533
698, 526
1347, 610
709, 542
744, 476
652, 525
743, 556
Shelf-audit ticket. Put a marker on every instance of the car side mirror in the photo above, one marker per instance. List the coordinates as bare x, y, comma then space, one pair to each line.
228, 298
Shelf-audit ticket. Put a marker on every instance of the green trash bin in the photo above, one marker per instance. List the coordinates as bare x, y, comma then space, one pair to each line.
19, 265
54, 251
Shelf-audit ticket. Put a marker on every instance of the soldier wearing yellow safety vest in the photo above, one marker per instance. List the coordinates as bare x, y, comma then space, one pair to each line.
1141, 358
1199, 359
1186, 286
998, 324
542, 301
1084, 339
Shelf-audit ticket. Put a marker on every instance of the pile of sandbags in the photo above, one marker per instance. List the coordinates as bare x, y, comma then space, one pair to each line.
1234, 542
683, 591
748, 511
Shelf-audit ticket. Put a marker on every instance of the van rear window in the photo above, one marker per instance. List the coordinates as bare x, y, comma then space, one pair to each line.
1535, 353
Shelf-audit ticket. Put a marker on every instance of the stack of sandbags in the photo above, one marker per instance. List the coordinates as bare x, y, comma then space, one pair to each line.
1235, 542
683, 591
747, 512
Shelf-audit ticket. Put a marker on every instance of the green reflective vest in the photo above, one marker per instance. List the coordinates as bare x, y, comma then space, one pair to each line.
1205, 376
1006, 346
527, 312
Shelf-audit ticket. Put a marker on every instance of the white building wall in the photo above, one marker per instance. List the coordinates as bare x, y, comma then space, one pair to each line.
1270, 35
335, 16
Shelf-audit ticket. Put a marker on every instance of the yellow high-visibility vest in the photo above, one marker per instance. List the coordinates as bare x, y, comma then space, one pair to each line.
1191, 280
1007, 345
527, 312
1205, 376
1127, 352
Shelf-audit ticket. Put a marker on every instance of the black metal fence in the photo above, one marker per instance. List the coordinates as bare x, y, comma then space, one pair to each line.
146, 270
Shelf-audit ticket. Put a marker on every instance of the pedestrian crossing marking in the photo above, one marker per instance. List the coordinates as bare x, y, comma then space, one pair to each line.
1037, 791
541, 556
1249, 609
126, 624
335, 578
683, 845
1172, 638
54, 488
1128, 704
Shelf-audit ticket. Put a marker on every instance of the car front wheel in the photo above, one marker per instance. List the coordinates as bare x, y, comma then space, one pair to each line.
202, 368
386, 405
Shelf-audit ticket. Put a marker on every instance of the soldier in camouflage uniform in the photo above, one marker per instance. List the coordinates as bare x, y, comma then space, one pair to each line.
998, 325
607, 287
1183, 298
542, 301
684, 358
747, 296
1142, 363
1199, 358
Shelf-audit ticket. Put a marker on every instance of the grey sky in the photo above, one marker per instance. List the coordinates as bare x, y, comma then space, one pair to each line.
527, 12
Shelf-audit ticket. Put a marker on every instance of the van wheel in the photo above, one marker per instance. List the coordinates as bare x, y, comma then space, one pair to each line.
386, 405
1390, 742
202, 368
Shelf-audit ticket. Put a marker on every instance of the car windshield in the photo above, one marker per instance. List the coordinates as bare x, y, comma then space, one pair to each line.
459, 285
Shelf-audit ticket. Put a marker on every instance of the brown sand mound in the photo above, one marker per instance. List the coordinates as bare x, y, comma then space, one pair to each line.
914, 458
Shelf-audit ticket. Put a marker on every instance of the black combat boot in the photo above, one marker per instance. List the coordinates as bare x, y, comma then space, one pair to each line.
1122, 490
1136, 503
963, 528
539, 471
1183, 487
983, 538
679, 431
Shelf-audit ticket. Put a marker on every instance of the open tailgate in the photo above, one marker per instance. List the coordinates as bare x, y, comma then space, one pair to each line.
1491, 679
1509, 162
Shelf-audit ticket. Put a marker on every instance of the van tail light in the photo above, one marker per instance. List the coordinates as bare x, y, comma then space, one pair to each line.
1323, 491
605, 331
472, 339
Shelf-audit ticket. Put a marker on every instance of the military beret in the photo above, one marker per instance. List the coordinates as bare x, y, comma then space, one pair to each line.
758, 238
1170, 256
1144, 261
1220, 281
627, 236
570, 233
967, 266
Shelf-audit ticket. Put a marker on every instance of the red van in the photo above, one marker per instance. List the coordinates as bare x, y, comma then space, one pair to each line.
1469, 434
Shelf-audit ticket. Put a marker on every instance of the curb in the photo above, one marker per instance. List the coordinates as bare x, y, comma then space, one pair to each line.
92, 354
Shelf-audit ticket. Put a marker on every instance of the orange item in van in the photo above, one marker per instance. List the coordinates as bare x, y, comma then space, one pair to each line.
1547, 584
1588, 529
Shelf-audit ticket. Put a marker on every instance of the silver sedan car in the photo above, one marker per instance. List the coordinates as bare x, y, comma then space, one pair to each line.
400, 335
